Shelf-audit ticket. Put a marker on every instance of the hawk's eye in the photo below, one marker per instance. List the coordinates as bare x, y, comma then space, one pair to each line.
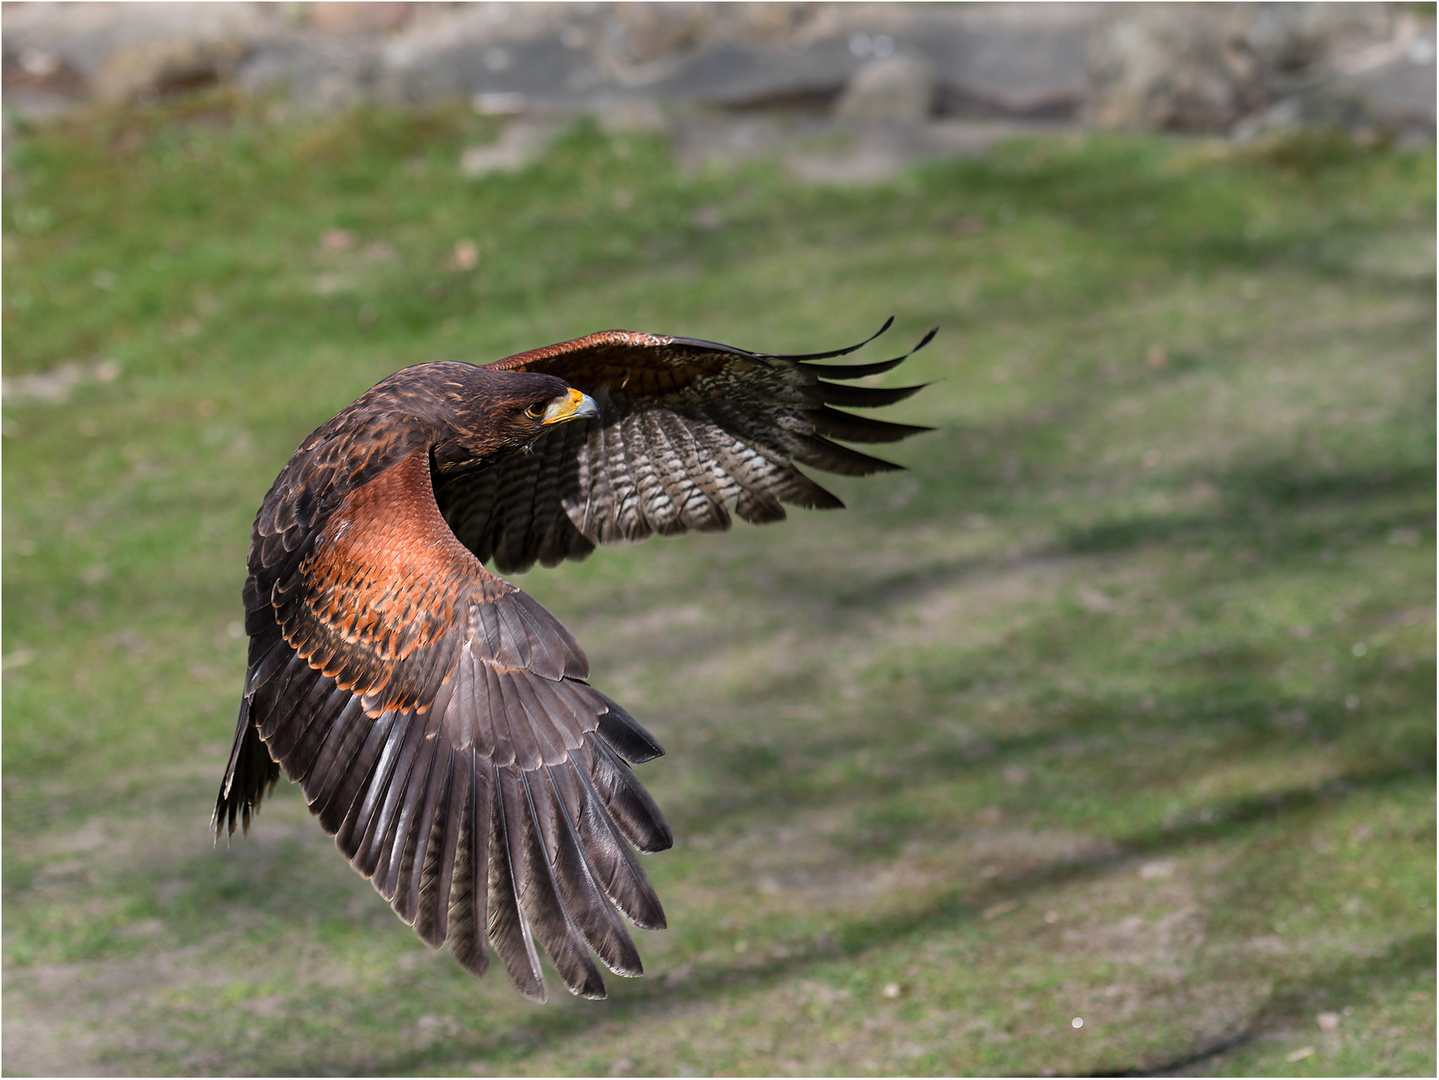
536, 411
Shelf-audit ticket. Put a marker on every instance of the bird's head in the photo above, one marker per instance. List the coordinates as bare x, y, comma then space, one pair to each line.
500, 413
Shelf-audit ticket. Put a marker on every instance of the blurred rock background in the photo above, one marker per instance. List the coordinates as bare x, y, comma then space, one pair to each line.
907, 79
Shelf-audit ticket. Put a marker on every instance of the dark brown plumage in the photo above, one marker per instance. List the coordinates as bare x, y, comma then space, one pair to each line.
436, 718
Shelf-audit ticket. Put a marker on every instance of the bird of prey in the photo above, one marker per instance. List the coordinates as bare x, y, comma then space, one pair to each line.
439, 721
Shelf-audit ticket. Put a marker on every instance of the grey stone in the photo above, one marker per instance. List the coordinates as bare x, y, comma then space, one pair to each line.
54, 387
1174, 66
1296, 40
989, 59
150, 69
1396, 97
634, 114
520, 143
1391, 87
1010, 60
1258, 67
316, 73
880, 151
125, 51
897, 88
701, 140
734, 76
546, 72
351, 17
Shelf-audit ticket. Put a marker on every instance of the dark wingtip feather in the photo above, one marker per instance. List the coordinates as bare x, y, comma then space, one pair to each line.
855, 371
714, 346
820, 453
841, 425
865, 397
578, 870
615, 863
832, 352
250, 776
543, 902
626, 735
630, 806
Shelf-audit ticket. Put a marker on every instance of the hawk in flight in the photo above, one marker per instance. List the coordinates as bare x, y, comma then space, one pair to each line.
439, 721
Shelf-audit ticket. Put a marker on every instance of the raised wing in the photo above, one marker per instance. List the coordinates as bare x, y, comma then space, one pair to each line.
688, 429
438, 722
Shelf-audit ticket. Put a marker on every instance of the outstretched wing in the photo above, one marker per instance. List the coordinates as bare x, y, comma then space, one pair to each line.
687, 430
438, 722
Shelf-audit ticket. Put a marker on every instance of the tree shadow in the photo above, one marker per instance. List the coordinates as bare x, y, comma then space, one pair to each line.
1267, 507
638, 1003
1292, 1001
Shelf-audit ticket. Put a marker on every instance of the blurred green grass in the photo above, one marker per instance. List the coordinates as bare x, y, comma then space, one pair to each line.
1118, 705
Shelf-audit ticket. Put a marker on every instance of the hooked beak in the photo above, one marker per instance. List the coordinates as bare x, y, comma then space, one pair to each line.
573, 406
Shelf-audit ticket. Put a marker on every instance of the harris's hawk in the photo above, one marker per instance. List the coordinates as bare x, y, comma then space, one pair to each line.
438, 720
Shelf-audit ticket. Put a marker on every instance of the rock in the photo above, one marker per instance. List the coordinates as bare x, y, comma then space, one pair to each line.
1204, 67
702, 140
993, 60
128, 51
38, 84
1296, 41
1021, 61
335, 16
55, 385
997, 60
632, 115
317, 73
739, 77
1278, 120
1209, 67
1179, 67
896, 88
481, 55
1391, 87
878, 152
148, 70
521, 142
644, 33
